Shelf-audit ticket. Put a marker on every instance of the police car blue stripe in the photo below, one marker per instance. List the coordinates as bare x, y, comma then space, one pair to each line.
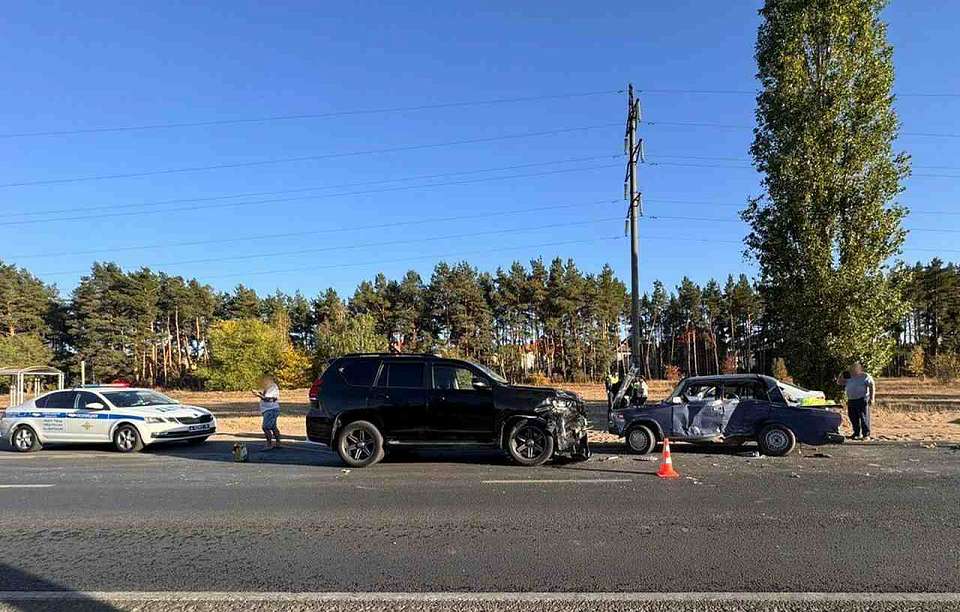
72, 415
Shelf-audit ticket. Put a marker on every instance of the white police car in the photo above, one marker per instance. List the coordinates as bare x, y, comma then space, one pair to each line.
130, 418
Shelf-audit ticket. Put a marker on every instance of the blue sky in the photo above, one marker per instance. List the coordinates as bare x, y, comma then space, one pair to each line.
71, 66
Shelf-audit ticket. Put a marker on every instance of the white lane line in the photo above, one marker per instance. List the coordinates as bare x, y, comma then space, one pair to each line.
557, 481
237, 596
25, 486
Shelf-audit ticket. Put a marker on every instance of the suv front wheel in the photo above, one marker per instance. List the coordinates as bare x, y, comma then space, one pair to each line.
529, 443
360, 444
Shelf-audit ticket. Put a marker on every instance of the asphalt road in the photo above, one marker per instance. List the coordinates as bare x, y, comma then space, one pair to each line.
879, 518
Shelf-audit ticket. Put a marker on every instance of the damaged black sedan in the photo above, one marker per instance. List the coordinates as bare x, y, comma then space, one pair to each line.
366, 404
730, 409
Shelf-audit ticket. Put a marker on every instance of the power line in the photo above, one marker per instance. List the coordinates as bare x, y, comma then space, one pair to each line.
308, 197
415, 258
296, 117
286, 160
741, 126
363, 245
748, 160
738, 167
753, 92
35, 213
311, 232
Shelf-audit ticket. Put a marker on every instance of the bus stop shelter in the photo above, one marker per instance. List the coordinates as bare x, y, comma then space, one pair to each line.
22, 379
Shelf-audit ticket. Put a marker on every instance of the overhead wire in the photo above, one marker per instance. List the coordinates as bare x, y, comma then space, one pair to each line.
286, 160
307, 197
313, 231
363, 245
302, 116
86, 208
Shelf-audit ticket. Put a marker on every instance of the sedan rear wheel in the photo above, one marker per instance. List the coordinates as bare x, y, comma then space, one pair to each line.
529, 443
25, 440
776, 440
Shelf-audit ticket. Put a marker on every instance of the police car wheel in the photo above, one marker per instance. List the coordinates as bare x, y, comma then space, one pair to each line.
25, 440
126, 439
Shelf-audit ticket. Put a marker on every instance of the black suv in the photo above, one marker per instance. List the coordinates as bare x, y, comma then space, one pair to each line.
365, 402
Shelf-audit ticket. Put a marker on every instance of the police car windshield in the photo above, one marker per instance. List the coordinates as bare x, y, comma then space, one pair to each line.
132, 398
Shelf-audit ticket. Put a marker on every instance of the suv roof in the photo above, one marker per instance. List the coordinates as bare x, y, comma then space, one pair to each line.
392, 355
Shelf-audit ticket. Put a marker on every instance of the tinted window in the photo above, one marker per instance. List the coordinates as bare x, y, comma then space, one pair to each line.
360, 373
453, 378
133, 398
405, 375
88, 398
61, 399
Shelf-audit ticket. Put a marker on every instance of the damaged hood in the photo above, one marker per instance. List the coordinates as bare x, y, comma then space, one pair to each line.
524, 396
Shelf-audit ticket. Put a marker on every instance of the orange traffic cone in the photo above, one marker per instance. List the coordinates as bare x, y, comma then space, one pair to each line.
666, 464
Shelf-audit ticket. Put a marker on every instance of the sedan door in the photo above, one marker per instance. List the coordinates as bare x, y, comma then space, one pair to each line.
57, 408
90, 421
400, 398
701, 413
747, 405
461, 405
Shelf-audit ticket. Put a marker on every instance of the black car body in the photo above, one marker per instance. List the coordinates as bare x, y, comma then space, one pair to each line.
426, 400
728, 408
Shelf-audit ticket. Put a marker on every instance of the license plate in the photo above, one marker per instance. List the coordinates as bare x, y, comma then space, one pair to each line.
199, 427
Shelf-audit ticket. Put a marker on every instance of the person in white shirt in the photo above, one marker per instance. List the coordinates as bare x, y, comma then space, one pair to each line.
270, 410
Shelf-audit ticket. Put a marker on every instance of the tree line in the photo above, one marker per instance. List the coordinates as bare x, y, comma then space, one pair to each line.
532, 322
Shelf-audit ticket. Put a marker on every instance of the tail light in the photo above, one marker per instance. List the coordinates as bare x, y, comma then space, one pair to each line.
315, 390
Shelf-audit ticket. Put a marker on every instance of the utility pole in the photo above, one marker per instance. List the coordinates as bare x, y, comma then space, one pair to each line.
634, 151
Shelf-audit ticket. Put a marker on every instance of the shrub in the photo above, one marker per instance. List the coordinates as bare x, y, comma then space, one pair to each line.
538, 379
916, 361
671, 372
945, 367
243, 350
729, 365
780, 370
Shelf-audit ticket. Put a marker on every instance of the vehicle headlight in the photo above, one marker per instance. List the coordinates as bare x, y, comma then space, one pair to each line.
155, 419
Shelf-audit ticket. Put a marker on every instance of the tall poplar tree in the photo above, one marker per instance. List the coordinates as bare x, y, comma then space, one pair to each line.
827, 224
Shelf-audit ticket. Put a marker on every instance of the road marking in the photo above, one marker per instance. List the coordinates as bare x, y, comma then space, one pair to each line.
557, 480
25, 486
231, 596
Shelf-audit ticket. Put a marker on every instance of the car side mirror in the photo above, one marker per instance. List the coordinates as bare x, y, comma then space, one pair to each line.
480, 385
676, 399
95, 406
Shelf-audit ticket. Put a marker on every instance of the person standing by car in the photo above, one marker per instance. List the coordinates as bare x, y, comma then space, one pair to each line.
860, 390
270, 410
612, 383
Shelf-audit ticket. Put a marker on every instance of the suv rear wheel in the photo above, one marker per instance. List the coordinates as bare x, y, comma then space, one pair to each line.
360, 444
529, 443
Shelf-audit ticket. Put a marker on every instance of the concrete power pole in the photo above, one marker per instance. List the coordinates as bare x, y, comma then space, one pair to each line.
634, 150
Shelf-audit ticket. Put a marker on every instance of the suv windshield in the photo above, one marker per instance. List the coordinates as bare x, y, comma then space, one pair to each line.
491, 374
132, 398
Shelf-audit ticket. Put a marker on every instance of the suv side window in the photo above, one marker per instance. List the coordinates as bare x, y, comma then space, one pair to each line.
63, 400
448, 377
360, 373
409, 375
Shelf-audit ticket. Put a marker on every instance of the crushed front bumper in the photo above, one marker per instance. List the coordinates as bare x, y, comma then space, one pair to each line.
569, 428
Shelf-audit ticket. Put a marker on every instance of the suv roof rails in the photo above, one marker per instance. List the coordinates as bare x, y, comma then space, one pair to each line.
391, 355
